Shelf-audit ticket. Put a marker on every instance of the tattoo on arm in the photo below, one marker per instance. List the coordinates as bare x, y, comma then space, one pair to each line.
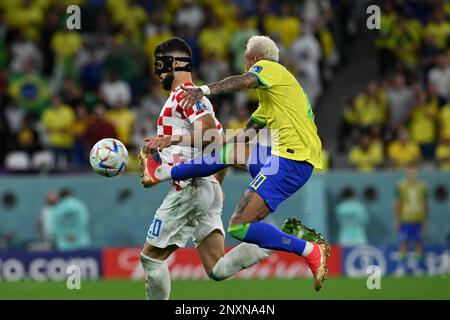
235, 83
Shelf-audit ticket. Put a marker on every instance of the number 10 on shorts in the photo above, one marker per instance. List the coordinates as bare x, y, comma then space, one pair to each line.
155, 227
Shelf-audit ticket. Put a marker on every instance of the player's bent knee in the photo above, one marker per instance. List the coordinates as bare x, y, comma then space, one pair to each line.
238, 231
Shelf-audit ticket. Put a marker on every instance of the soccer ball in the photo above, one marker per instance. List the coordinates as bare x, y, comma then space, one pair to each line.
108, 157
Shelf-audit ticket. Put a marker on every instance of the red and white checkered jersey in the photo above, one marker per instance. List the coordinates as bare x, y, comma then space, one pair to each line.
176, 120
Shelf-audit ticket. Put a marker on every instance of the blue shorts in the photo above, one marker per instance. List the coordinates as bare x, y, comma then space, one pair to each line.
258, 158
280, 178
411, 232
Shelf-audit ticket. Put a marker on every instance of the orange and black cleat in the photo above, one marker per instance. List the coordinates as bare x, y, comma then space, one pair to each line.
149, 164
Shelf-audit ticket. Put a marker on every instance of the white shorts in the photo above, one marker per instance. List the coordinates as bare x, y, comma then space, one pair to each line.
192, 212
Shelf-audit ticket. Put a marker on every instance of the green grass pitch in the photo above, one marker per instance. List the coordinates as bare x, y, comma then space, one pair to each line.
296, 289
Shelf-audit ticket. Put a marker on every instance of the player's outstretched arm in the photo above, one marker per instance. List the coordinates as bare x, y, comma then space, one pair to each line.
227, 85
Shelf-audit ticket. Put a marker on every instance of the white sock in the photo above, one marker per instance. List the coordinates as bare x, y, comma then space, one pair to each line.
308, 249
157, 278
239, 258
163, 172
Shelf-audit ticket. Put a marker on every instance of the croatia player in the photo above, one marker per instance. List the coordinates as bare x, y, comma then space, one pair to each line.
284, 109
192, 208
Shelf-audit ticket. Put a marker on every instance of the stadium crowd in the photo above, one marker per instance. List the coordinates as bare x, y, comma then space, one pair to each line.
403, 116
62, 90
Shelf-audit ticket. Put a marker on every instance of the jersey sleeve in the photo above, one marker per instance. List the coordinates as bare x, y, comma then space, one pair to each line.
196, 111
260, 116
192, 113
266, 72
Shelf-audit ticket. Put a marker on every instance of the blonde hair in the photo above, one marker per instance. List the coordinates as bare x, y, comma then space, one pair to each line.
264, 46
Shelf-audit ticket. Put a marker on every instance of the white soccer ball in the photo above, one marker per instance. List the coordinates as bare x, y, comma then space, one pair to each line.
108, 157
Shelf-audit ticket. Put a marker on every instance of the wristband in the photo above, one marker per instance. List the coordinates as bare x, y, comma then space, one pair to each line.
206, 90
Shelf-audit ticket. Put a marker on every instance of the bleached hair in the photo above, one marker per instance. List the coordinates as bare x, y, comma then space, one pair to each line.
263, 46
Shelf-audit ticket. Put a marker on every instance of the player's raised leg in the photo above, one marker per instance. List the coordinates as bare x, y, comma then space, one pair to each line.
202, 166
267, 190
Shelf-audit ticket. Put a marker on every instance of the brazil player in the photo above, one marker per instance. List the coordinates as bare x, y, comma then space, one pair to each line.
284, 109
411, 210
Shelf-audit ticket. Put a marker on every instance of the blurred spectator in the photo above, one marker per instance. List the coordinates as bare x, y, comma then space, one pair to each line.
411, 214
444, 121
438, 28
29, 90
44, 224
384, 41
65, 44
439, 76
400, 99
428, 55
406, 35
208, 38
403, 151
371, 106
443, 154
24, 50
14, 115
156, 32
123, 120
286, 24
353, 219
348, 123
82, 121
58, 120
306, 54
71, 93
113, 90
240, 120
423, 124
26, 138
190, 15
241, 36
91, 71
367, 155
100, 128
213, 68
70, 223
8, 221
153, 102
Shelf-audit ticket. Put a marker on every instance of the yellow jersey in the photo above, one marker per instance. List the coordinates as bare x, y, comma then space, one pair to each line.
285, 109
402, 155
442, 153
444, 121
366, 160
412, 198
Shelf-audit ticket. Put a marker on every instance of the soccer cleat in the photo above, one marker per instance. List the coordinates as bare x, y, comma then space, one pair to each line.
317, 262
297, 229
149, 164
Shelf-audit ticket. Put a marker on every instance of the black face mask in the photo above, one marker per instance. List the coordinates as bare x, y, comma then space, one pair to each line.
167, 81
164, 64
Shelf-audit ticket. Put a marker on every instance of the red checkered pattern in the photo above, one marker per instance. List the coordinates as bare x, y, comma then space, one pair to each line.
176, 120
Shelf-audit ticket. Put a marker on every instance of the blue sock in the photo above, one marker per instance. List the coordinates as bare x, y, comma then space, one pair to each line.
268, 236
205, 167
